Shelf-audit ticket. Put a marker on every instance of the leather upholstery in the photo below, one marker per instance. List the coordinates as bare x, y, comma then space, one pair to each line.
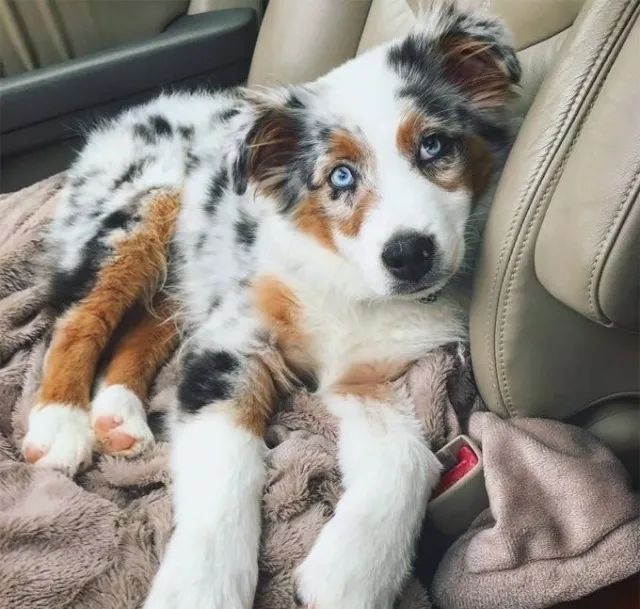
532, 354
299, 41
586, 253
556, 284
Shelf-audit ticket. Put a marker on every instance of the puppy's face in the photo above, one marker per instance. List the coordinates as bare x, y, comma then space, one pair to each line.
381, 160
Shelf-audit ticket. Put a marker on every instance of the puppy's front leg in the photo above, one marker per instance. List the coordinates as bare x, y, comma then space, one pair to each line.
217, 463
364, 553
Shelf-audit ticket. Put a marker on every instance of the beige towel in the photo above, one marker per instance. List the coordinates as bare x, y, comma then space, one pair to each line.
562, 520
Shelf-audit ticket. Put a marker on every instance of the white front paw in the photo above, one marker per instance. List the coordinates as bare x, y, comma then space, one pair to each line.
322, 584
58, 436
196, 573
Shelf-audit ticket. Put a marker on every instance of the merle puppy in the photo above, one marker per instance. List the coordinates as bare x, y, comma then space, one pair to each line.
302, 235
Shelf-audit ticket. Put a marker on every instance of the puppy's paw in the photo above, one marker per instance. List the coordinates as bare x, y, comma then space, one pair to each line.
58, 436
197, 574
327, 580
120, 422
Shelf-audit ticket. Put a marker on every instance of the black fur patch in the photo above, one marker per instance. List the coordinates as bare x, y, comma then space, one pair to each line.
413, 57
246, 228
144, 132
68, 287
186, 132
192, 162
228, 114
160, 125
133, 171
116, 219
206, 377
217, 186
294, 102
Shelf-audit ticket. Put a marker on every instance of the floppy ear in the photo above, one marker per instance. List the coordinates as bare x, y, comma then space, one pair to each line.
478, 58
269, 147
485, 71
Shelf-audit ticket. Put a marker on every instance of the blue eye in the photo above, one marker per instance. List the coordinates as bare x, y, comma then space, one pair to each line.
342, 177
432, 147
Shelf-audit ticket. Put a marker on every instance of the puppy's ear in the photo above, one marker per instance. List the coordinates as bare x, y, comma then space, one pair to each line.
269, 148
479, 59
473, 50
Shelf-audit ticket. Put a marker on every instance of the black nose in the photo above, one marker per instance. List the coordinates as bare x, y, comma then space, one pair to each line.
409, 256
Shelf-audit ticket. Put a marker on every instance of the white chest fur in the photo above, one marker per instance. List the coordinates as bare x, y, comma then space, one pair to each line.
343, 335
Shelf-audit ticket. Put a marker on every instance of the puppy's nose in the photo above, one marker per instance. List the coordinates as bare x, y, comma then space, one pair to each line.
409, 256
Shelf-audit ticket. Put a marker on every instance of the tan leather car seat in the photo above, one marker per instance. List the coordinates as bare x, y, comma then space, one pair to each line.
38, 33
554, 319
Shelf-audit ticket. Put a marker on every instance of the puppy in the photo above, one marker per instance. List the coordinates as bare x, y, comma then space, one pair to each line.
306, 235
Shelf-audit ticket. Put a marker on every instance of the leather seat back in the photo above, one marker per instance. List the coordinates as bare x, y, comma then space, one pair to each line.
554, 316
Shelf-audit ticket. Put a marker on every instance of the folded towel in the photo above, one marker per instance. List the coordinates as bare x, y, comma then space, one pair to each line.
562, 520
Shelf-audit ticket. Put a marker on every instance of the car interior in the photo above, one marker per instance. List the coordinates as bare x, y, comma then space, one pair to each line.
555, 310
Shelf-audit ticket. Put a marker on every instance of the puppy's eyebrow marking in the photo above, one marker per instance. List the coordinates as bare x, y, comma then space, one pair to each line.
343, 145
408, 133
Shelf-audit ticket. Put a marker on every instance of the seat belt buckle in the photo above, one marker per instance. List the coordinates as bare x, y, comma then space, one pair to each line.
460, 495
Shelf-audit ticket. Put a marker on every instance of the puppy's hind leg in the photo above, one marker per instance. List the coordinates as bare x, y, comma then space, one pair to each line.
117, 411
59, 432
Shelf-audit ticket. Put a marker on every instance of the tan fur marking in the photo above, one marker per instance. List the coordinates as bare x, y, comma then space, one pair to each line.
267, 374
273, 368
254, 403
79, 338
147, 340
371, 379
408, 134
351, 226
281, 315
310, 217
343, 146
470, 172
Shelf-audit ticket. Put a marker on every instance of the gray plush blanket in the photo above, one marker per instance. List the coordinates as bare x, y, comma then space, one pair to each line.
562, 520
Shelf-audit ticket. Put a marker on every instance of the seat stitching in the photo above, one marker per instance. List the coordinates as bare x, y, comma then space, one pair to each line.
603, 54
560, 130
626, 197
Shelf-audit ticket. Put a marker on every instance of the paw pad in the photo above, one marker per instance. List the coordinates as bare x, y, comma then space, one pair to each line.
108, 434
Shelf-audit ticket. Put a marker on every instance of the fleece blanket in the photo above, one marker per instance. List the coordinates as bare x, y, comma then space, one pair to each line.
94, 542
562, 521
